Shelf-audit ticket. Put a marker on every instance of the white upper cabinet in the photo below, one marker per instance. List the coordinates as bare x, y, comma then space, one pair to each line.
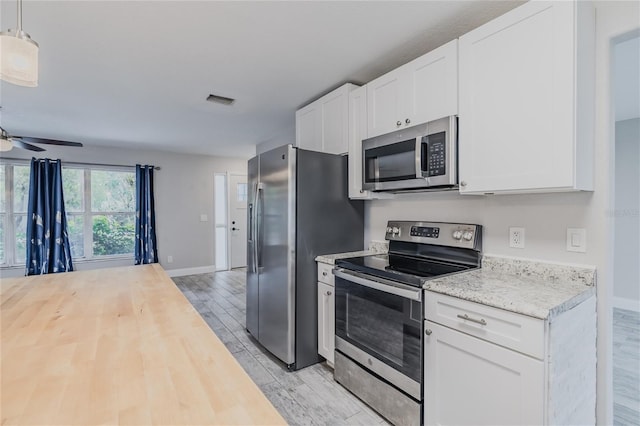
323, 125
357, 132
425, 89
309, 127
526, 101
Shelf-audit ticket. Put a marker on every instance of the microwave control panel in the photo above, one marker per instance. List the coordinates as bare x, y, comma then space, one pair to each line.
436, 154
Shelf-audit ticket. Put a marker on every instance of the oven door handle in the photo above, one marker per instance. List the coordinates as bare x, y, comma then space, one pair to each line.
381, 284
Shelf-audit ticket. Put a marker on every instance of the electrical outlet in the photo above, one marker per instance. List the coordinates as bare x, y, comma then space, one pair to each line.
516, 237
169, 259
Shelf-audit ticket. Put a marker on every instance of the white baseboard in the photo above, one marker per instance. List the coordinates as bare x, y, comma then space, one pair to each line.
628, 304
190, 271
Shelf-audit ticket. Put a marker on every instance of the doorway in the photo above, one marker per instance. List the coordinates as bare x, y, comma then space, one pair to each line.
626, 223
230, 202
238, 219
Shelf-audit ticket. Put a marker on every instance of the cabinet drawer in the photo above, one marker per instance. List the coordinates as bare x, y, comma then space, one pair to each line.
324, 273
514, 331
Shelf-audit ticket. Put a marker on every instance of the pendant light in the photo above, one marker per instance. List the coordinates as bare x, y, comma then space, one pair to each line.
18, 55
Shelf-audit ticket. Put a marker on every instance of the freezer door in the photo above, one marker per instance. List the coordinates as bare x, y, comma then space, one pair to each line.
252, 271
276, 252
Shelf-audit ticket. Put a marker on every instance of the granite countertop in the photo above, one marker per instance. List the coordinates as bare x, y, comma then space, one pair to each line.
375, 247
539, 290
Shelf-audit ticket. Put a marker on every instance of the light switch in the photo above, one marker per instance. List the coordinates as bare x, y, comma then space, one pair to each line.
577, 240
203, 218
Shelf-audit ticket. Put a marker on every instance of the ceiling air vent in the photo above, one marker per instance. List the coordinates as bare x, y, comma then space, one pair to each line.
220, 99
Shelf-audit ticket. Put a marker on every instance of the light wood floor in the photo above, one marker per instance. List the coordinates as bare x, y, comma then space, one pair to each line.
626, 367
305, 397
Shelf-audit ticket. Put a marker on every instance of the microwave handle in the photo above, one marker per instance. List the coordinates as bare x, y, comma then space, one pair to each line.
419, 153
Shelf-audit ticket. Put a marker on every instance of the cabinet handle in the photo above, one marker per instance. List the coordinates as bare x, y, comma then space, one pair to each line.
399, 123
428, 332
468, 318
362, 191
328, 293
407, 121
324, 274
463, 183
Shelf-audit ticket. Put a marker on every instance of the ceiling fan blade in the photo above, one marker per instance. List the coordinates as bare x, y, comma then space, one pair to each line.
20, 144
49, 141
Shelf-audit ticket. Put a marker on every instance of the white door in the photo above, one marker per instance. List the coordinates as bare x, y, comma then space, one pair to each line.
309, 127
433, 85
238, 220
517, 101
326, 321
384, 102
468, 381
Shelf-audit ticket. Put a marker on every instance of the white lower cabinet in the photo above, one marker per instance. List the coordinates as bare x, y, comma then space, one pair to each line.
326, 312
488, 366
472, 382
326, 321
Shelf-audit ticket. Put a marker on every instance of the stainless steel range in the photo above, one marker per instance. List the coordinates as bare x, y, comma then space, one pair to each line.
379, 312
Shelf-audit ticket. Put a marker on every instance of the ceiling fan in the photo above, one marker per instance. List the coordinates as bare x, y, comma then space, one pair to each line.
7, 142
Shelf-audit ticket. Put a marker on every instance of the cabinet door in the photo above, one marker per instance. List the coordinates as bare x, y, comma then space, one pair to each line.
357, 132
472, 382
432, 90
309, 127
384, 102
335, 121
517, 101
326, 321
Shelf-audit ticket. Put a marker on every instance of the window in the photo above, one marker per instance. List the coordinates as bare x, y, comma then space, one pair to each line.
100, 206
242, 192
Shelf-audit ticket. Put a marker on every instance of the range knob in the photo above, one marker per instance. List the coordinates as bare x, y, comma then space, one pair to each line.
468, 235
457, 235
396, 230
389, 229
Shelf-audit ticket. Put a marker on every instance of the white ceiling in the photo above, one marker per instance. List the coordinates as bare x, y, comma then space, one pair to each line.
136, 73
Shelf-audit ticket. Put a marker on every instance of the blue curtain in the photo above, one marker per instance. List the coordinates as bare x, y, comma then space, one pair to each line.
146, 248
48, 248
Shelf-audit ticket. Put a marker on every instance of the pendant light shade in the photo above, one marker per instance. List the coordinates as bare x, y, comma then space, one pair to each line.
5, 144
18, 56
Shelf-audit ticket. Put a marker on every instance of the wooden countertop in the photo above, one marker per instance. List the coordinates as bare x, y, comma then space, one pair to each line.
117, 346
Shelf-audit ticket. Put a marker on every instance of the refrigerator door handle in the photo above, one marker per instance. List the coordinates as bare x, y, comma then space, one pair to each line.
257, 253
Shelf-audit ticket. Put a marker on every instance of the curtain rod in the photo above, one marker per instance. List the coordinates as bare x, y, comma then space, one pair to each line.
79, 164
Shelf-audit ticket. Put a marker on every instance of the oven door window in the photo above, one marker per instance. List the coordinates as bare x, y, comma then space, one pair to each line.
392, 162
384, 325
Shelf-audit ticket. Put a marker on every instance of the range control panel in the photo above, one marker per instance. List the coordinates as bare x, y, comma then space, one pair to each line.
425, 231
440, 233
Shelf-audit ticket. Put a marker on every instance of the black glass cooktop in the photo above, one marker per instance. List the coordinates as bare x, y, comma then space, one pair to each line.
405, 269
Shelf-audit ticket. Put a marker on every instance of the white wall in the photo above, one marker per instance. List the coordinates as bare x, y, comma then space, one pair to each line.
285, 137
183, 191
626, 290
545, 218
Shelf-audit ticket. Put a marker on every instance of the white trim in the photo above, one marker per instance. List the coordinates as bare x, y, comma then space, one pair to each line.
191, 271
626, 304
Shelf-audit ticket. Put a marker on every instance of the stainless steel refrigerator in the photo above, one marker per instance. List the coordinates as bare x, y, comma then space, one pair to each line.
298, 208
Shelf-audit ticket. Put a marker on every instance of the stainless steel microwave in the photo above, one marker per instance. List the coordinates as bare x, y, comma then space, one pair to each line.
418, 157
